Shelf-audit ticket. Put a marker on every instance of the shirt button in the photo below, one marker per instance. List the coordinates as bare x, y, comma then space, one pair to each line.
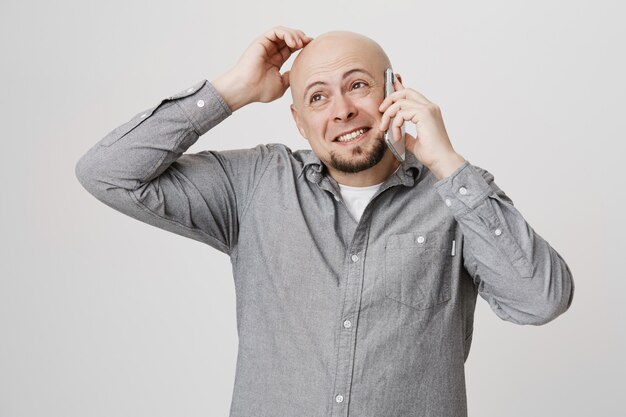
420, 239
339, 398
336, 198
355, 258
463, 190
200, 103
448, 202
143, 115
189, 90
498, 232
347, 324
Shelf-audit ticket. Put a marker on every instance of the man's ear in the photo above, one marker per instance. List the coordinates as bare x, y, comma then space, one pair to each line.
294, 114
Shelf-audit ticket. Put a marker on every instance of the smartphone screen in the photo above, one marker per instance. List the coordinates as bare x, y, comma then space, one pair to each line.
397, 147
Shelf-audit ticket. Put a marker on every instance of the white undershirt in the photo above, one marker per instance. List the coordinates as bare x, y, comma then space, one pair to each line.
356, 198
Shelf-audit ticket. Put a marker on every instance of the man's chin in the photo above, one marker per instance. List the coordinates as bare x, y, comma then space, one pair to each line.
359, 158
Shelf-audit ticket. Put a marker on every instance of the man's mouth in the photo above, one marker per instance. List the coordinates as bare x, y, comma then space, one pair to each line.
351, 136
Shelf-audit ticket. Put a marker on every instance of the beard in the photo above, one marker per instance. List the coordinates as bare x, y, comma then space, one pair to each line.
360, 159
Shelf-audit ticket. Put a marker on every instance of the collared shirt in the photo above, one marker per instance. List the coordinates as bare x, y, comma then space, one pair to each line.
335, 317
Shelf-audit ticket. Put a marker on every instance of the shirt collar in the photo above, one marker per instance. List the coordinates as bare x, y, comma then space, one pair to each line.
410, 170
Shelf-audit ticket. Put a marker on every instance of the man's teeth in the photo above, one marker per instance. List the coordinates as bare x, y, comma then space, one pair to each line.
350, 136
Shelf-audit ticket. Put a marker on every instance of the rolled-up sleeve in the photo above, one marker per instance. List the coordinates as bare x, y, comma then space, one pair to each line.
524, 279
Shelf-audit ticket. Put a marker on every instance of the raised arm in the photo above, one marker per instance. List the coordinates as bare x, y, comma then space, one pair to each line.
140, 169
522, 277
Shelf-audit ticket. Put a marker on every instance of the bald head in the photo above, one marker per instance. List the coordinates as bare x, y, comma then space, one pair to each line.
331, 51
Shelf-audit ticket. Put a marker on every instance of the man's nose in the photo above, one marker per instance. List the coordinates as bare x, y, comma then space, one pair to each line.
344, 109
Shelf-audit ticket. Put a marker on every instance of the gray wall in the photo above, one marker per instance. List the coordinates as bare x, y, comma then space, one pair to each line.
101, 315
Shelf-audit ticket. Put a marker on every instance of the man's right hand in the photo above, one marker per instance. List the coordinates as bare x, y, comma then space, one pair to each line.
256, 76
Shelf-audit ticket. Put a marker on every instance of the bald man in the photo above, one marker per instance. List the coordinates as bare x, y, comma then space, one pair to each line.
356, 275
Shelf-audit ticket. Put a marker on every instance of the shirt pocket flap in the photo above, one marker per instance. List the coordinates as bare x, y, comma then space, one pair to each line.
418, 268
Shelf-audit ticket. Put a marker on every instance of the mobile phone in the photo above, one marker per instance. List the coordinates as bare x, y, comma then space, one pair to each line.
397, 147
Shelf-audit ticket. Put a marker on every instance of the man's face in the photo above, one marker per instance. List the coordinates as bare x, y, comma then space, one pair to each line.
337, 85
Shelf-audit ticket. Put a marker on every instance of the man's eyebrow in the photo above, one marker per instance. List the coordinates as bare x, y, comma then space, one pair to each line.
345, 75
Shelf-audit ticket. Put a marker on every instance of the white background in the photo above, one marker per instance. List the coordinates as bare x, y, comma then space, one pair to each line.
102, 315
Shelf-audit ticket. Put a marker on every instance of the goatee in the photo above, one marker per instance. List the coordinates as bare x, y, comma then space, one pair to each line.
358, 163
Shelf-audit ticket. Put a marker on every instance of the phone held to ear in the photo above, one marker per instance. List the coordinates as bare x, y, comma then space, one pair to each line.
397, 147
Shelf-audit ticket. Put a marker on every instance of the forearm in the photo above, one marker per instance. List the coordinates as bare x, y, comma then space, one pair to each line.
140, 169
522, 277
231, 88
142, 148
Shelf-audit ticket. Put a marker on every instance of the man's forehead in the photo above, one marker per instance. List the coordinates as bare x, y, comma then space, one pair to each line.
335, 53
346, 64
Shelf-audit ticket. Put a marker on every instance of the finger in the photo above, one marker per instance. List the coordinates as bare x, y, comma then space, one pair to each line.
394, 108
397, 84
300, 38
305, 38
410, 141
279, 57
297, 33
397, 128
404, 93
407, 115
293, 38
278, 36
400, 118
290, 40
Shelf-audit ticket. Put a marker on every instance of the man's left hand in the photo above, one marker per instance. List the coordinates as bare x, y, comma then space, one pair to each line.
431, 146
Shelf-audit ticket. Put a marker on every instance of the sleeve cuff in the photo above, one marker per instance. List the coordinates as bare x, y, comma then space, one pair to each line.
203, 106
464, 189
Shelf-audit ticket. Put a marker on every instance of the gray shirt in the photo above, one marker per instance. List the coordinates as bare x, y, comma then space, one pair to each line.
335, 317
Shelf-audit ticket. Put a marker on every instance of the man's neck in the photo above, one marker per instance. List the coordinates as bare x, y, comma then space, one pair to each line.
371, 176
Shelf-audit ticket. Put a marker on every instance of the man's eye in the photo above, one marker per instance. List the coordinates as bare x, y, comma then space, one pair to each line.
358, 83
314, 97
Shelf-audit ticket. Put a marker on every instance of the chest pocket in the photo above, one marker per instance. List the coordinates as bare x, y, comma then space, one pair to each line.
418, 267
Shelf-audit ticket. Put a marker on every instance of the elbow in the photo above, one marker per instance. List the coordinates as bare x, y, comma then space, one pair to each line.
554, 293
552, 304
81, 171
91, 175
545, 314
85, 174
540, 309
